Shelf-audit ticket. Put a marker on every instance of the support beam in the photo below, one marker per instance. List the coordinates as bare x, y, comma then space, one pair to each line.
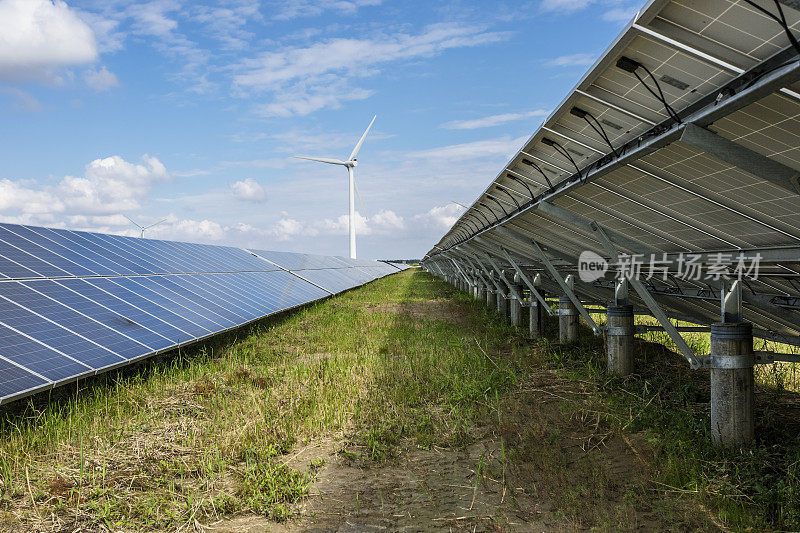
650, 302
567, 290
531, 286
741, 157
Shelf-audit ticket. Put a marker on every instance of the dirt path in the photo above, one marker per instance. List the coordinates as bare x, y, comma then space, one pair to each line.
549, 466
419, 490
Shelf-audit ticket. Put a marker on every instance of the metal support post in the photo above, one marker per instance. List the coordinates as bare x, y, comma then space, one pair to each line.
649, 301
567, 316
619, 339
516, 304
535, 312
732, 361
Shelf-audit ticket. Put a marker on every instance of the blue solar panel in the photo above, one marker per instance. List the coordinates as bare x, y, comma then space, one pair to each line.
73, 303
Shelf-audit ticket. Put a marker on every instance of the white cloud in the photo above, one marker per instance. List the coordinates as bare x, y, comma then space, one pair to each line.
302, 80
573, 60
565, 6
249, 190
22, 101
620, 14
440, 217
109, 186
226, 23
500, 146
305, 100
387, 220
38, 37
100, 80
493, 120
289, 9
287, 229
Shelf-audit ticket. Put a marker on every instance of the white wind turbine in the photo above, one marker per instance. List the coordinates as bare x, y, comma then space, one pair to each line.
350, 164
143, 228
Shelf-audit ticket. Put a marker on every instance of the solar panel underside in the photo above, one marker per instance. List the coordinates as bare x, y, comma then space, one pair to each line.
731, 73
73, 303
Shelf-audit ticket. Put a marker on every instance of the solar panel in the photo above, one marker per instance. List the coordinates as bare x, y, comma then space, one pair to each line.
75, 303
683, 137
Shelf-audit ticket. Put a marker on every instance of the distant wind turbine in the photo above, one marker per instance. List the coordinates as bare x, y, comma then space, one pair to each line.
350, 164
142, 228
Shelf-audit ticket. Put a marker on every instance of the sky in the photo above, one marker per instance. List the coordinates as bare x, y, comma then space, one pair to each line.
189, 111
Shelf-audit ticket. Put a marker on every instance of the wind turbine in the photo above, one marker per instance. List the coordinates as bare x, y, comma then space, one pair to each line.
142, 228
350, 164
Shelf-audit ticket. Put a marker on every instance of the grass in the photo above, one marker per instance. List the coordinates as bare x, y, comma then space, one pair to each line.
195, 436
667, 404
191, 437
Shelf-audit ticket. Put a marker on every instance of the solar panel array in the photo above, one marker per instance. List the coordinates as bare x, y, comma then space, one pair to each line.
683, 138
76, 303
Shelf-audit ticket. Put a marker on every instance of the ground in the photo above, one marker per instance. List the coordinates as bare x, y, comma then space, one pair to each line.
400, 406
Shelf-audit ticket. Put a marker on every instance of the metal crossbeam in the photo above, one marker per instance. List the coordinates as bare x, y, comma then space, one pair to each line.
510, 286
651, 303
531, 286
567, 289
741, 157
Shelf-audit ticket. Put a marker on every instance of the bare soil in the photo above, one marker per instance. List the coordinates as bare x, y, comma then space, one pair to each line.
550, 464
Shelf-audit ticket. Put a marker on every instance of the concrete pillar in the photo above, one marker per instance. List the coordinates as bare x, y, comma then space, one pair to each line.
732, 423
491, 298
619, 339
516, 310
502, 304
534, 320
567, 320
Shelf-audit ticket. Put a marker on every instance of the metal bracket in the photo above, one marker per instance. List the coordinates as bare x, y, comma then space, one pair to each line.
620, 331
531, 286
567, 290
460, 271
511, 288
498, 289
727, 362
650, 302
732, 303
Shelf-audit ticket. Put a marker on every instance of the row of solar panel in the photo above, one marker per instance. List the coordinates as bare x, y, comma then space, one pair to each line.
75, 303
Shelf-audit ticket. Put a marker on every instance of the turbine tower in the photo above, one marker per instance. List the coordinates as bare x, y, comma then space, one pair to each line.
350, 164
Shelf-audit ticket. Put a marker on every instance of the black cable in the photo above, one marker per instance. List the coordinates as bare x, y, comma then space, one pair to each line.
539, 169
495, 200
663, 99
780, 20
510, 195
585, 115
563, 151
520, 180
491, 211
488, 222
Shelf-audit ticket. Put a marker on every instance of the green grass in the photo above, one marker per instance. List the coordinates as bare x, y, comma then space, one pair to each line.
208, 433
201, 434
667, 403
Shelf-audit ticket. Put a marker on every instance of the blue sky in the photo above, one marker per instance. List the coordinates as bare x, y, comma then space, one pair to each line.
190, 111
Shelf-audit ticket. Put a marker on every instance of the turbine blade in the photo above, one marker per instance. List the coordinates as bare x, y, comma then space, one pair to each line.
361, 140
155, 224
133, 221
322, 160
